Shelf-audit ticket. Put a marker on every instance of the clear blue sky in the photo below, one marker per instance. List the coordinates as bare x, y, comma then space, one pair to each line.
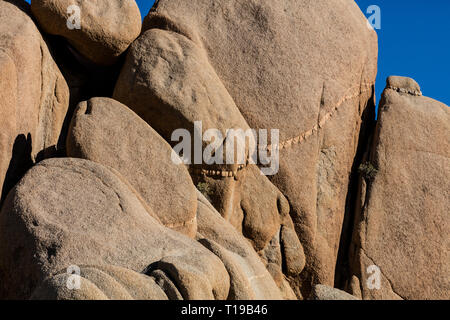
414, 41
145, 6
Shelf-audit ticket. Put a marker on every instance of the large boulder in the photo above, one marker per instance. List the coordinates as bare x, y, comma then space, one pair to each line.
260, 212
8, 92
302, 66
34, 96
107, 132
168, 81
107, 27
322, 292
100, 283
400, 246
249, 279
73, 212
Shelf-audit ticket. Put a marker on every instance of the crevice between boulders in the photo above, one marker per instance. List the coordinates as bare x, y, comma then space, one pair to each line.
368, 126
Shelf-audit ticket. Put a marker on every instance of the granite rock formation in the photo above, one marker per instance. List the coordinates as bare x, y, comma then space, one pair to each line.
402, 220
99, 201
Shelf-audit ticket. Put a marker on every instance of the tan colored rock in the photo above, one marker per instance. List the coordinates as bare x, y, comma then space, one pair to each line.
249, 278
34, 95
100, 283
402, 221
144, 159
105, 131
354, 287
168, 81
304, 67
403, 85
260, 212
8, 91
75, 212
173, 73
84, 78
107, 27
321, 292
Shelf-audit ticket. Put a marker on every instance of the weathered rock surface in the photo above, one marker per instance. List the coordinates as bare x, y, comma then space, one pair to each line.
144, 159
105, 131
352, 206
75, 212
168, 81
402, 221
8, 91
260, 212
107, 27
34, 95
249, 278
100, 283
304, 67
322, 292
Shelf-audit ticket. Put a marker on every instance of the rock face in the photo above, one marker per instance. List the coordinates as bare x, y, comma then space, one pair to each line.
105, 131
304, 67
168, 81
34, 95
402, 222
100, 283
174, 74
8, 91
249, 279
144, 159
144, 196
107, 27
74, 212
321, 292
260, 212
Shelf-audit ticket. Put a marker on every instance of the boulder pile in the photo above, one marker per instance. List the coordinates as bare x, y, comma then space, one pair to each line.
97, 202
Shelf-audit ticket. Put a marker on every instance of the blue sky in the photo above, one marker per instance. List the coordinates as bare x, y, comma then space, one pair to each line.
414, 41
